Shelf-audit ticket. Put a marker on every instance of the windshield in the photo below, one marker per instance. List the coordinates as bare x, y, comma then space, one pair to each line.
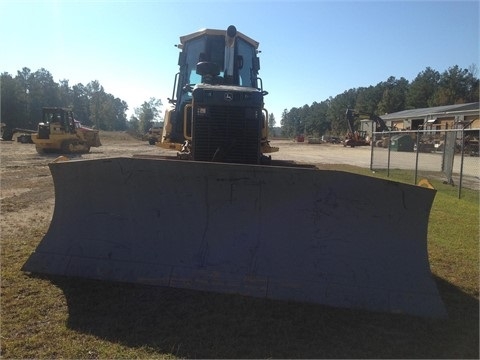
247, 74
234, 64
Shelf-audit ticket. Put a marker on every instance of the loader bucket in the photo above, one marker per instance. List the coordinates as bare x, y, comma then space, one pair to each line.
292, 234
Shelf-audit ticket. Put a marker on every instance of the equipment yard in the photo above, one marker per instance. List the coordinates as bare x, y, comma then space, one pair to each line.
62, 317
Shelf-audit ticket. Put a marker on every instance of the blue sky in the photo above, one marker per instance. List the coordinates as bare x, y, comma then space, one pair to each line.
311, 50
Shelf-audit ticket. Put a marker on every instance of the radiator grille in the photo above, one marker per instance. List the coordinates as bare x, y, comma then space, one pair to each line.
227, 134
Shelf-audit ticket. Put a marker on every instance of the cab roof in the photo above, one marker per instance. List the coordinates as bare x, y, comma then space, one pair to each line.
185, 38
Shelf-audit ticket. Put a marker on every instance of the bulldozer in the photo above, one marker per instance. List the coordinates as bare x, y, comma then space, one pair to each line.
59, 132
221, 215
217, 111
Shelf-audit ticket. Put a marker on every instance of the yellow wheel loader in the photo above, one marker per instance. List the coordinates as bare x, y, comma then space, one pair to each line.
59, 132
218, 218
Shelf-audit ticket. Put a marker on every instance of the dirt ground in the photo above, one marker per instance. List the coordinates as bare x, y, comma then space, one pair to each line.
26, 187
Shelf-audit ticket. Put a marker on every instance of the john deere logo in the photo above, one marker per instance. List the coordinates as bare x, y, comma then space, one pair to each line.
228, 96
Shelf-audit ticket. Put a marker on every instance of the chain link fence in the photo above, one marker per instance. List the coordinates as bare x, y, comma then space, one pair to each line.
448, 155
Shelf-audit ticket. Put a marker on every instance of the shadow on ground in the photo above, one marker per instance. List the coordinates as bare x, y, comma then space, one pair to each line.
194, 324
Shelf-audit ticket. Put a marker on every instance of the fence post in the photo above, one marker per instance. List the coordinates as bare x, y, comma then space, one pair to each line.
462, 153
371, 151
417, 150
388, 161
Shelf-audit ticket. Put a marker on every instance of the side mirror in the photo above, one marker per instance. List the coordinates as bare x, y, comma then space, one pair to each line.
256, 64
182, 58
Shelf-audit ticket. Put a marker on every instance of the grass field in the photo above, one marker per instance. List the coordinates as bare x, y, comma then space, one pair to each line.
55, 317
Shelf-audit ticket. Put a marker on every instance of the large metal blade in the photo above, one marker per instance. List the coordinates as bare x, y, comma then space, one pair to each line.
306, 235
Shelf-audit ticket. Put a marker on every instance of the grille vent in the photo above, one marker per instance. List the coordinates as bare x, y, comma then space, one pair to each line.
227, 134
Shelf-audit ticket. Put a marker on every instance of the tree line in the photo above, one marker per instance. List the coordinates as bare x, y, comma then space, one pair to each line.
430, 88
23, 96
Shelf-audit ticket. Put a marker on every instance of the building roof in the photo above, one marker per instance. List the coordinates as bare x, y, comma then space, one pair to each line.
446, 110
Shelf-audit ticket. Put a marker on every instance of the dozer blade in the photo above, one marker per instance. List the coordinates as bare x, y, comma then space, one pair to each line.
304, 235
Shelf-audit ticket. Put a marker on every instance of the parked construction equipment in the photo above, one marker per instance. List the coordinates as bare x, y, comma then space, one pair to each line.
154, 134
225, 222
382, 140
24, 137
354, 137
59, 132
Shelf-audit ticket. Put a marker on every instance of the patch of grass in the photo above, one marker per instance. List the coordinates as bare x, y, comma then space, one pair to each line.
55, 317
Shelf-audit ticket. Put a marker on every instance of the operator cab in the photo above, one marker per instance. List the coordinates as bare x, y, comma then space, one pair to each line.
219, 58
211, 58
55, 120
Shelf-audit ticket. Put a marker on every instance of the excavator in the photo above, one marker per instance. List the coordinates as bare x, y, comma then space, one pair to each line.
222, 216
354, 137
360, 138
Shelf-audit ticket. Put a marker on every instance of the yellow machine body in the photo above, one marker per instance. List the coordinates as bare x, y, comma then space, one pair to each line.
60, 132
